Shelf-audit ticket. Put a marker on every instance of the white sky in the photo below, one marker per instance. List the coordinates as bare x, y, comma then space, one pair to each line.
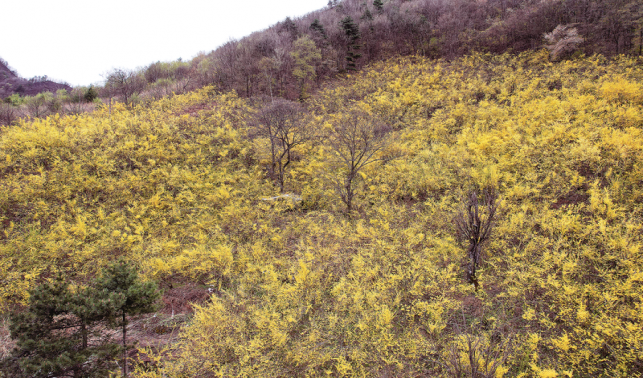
78, 40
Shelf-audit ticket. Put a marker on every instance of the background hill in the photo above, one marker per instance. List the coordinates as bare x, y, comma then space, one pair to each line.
11, 83
5, 71
296, 57
352, 33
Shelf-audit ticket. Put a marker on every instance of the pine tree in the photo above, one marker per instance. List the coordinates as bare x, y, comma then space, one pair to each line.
319, 28
137, 297
379, 5
290, 27
91, 94
351, 30
367, 15
52, 335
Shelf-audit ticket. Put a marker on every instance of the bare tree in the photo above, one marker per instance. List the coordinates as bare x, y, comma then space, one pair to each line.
37, 105
8, 114
474, 225
356, 139
124, 83
269, 65
226, 66
283, 123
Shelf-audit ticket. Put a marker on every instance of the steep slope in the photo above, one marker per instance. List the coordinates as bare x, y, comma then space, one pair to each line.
348, 35
5, 71
353, 33
304, 289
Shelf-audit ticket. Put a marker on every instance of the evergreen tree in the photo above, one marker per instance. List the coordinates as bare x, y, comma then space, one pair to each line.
91, 94
290, 27
367, 15
316, 26
379, 5
351, 31
136, 297
52, 335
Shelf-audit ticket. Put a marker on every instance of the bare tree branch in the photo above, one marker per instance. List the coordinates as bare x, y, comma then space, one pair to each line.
356, 140
283, 123
474, 226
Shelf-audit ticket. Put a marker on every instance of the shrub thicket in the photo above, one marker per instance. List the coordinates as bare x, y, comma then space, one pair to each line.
300, 289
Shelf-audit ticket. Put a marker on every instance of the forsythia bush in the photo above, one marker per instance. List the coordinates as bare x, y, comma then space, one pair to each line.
147, 183
303, 289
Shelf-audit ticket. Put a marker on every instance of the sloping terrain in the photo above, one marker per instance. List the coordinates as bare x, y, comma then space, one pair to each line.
309, 289
351, 34
5, 71
11, 83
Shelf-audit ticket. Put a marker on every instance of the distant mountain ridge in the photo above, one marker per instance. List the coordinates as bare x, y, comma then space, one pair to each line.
5, 71
11, 83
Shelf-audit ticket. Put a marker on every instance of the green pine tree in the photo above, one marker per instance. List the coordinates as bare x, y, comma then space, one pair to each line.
91, 94
319, 28
290, 27
367, 15
379, 5
351, 30
137, 297
52, 334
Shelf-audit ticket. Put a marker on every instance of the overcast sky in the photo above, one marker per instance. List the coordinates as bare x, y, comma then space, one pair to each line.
78, 40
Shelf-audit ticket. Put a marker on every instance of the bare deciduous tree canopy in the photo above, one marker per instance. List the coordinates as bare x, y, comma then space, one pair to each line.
283, 123
357, 139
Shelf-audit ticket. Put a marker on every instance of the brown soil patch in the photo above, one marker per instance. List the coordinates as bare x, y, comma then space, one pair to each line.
571, 198
179, 300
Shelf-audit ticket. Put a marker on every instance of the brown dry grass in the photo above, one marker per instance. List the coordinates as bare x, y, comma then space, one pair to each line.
6, 344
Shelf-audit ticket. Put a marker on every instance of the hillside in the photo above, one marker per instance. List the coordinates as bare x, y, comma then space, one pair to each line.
182, 188
351, 34
296, 57
11, 83
5, 71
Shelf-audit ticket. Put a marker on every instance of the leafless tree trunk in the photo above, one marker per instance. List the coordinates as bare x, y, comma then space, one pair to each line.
283, 123
474, 225
8, 114
125, 83
357, 139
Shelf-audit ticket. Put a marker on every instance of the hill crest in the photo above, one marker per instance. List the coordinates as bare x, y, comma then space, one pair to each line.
11, 82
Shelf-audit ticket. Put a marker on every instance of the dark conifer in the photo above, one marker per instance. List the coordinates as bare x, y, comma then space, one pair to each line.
91, 94
379, 5
52, 335
316, 26
290, 27
351, 31
367, 15
121, 280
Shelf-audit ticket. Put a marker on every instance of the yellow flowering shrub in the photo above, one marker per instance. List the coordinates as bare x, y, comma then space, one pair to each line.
305, 290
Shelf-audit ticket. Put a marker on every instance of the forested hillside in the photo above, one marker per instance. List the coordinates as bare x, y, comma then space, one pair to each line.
293, 58
352, 33
476, 217
11, 83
